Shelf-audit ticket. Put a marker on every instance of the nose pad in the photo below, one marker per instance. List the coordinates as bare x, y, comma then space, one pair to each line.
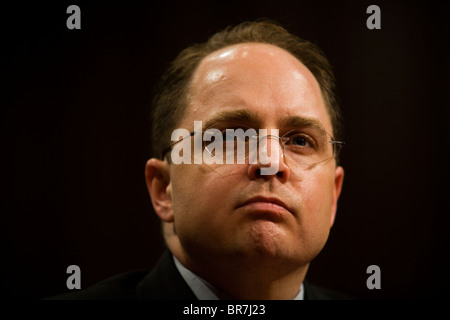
276, 150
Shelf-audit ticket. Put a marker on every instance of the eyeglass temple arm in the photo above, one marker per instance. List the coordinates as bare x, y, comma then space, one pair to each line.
165, 150
337, 142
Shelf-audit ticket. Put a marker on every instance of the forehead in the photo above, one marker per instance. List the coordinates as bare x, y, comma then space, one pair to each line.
263, 79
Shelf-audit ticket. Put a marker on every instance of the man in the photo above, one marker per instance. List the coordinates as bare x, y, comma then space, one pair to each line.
233, 230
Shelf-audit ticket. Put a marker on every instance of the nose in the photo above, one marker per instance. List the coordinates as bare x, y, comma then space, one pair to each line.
269, 166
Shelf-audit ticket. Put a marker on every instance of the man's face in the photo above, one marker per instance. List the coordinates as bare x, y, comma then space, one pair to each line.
292, 211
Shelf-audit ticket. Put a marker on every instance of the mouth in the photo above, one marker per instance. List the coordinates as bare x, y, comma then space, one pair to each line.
265, 206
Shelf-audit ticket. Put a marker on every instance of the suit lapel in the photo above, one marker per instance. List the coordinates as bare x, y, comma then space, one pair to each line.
164, 282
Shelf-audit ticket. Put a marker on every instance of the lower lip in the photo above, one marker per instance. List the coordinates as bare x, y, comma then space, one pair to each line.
265, 209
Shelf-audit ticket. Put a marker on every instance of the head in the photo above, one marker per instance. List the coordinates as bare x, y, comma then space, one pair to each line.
260, 76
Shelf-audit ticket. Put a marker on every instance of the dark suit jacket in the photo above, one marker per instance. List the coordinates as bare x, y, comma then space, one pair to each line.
164, 282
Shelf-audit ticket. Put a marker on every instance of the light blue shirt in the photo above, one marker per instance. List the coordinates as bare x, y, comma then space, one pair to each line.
204, 290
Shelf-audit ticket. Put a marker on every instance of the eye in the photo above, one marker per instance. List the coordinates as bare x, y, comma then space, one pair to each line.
227, 135
299, 139
237, 134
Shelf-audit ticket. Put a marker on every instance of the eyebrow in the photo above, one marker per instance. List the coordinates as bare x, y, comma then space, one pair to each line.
253, 118
241, 115
302, 122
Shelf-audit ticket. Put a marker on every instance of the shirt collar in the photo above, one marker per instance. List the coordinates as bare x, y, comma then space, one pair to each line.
204, 290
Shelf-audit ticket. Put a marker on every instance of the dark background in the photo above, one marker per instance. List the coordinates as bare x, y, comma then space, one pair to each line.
75, 136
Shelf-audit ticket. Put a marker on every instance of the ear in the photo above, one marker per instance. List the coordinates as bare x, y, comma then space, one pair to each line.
158, 184
338, 181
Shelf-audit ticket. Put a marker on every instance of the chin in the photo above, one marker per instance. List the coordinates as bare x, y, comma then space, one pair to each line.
266, 240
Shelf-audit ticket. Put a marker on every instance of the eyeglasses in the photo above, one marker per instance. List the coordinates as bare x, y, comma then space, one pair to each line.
301, 148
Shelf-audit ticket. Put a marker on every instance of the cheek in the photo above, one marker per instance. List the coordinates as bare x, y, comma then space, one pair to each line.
186, 188
202, 204
317, 204
199, 192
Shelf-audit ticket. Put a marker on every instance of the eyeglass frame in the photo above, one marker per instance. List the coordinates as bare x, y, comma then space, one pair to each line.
192, 133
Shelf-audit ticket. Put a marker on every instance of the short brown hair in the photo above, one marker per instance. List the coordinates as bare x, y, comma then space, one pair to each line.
170, 101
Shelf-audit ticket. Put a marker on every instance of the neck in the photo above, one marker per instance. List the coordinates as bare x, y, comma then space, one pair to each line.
260, 284
249, 278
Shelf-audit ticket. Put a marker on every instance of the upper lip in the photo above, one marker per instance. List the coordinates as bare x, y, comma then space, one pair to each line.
266, 199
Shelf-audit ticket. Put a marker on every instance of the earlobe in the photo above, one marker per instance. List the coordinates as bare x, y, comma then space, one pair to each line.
338, 181
158, 184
